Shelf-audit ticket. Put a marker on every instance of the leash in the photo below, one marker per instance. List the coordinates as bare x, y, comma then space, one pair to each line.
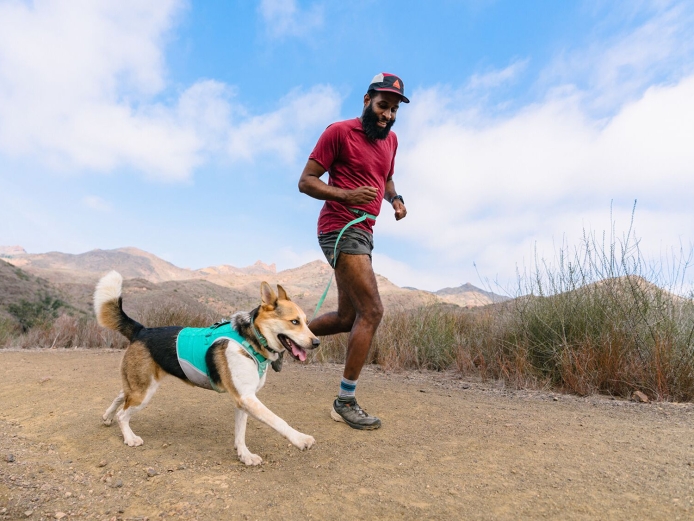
362, 217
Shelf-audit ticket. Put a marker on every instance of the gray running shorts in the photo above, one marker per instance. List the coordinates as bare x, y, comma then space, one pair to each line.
354, 241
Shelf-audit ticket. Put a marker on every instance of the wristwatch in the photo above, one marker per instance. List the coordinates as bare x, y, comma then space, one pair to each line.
397, 197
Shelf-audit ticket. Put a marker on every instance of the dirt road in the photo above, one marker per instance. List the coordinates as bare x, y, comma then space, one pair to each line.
448, 449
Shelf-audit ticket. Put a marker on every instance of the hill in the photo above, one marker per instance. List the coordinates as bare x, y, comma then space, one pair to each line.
18, 287
468, 295
220, 289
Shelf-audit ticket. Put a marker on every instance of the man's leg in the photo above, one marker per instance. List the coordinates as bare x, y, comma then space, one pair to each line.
359, 304
355, 277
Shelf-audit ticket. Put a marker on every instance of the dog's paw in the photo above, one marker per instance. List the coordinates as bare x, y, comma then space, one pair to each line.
135, 441
304, 441
107, 420
249, 458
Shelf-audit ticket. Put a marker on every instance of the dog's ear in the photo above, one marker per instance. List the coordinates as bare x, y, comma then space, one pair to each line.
267, 295
277, 364
281, 294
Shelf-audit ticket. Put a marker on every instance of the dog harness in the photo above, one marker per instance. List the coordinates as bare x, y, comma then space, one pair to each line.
193, 343
362, 217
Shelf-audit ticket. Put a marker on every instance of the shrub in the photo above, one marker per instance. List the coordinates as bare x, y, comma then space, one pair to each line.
37, 313
597, 319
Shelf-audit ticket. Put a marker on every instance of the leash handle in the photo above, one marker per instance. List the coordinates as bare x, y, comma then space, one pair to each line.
362, 217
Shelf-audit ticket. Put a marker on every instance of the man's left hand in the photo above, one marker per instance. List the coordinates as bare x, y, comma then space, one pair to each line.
400, 210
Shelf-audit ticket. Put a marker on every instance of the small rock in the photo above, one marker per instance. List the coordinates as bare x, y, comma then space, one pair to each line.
638, 396
28, 513
555, 398
44, 379
102, 463
60, 515
9, 458
68, 494
117, 484
151, 472
164, 445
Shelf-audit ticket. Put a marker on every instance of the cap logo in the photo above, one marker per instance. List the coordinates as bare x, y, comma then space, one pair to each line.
397, 84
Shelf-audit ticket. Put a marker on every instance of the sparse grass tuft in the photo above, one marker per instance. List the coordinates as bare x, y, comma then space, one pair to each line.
172, 312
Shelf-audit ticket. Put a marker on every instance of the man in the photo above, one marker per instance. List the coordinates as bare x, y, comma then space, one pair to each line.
359, 155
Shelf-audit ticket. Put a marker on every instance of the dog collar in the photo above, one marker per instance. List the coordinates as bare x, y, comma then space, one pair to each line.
260, 360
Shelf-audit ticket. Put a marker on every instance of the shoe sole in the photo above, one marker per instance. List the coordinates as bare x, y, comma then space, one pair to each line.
338, 418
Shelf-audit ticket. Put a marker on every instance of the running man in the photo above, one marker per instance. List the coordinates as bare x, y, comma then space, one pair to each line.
359, 156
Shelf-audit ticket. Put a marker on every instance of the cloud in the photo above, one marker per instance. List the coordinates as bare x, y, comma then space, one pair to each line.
284, 18
97, 203
495, 78
613, 68
81, 88
491, 189
282, 131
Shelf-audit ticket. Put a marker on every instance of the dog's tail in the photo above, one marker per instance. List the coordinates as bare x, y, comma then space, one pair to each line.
108, 306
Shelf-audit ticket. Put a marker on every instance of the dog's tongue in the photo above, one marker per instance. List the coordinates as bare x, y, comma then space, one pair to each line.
299, 353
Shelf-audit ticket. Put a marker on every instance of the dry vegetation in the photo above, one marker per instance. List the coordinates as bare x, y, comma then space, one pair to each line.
599, 319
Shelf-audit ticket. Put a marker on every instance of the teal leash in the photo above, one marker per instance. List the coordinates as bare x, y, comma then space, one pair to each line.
362, 217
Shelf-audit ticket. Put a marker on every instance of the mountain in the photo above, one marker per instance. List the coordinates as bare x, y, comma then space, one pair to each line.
18, 286
9, 251
221, 289
468, 295
89, 266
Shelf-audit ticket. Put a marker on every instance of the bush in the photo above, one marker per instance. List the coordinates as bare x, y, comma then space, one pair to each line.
598, 319
9, 329
38, 313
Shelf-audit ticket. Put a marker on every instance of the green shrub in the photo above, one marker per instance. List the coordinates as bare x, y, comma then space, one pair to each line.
37, 313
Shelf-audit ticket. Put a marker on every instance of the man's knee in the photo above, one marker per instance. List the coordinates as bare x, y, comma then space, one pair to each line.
345, 322
373, 313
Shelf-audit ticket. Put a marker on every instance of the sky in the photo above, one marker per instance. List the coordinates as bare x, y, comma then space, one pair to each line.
182, 127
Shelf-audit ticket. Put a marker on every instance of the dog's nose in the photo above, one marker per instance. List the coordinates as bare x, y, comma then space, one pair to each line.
315, 343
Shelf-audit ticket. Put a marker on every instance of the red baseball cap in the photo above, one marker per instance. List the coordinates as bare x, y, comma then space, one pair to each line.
386, 82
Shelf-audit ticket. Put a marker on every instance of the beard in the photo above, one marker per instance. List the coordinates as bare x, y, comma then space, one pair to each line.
369, 122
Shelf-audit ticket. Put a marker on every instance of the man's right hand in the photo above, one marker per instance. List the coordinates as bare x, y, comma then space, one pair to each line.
361, 195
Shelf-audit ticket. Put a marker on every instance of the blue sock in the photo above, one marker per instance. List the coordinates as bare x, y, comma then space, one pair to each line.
347, 390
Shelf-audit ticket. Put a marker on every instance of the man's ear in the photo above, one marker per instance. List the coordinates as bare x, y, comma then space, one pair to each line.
367, 99
281, 294
267, 296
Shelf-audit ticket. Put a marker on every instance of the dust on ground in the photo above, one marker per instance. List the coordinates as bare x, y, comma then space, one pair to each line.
448, 449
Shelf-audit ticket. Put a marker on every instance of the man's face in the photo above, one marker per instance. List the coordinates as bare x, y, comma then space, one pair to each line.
379, 114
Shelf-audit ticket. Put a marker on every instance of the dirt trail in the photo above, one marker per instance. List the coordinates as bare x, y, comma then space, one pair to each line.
448, 449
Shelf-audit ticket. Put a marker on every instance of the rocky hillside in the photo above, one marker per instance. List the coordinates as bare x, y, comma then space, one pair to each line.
468, 295
222, 289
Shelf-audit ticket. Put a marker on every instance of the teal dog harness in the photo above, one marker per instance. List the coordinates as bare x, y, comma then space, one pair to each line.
193, 343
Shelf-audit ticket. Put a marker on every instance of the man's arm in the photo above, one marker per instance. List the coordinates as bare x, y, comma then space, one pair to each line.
398, 205
311, 184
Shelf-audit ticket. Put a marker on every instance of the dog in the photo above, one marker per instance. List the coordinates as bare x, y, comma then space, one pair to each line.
236, 362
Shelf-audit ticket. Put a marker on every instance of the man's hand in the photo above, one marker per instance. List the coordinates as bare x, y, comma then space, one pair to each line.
361, 195
400, 210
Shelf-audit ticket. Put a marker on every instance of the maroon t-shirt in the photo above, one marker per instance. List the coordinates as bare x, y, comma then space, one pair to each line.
353, 160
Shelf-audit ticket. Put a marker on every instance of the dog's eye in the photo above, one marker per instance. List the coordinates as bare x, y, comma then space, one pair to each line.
295, 322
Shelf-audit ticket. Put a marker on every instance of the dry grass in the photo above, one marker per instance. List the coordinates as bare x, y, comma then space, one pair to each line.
598, 319
68, 331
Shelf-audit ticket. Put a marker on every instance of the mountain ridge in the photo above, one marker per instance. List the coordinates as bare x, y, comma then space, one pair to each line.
74, 275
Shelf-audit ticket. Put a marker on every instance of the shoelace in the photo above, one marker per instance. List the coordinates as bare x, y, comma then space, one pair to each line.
361, 412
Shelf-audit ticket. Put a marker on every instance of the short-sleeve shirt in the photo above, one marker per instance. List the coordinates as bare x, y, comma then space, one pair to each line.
353, 160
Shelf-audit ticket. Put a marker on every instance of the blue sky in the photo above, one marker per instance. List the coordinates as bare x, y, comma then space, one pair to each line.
181, 128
